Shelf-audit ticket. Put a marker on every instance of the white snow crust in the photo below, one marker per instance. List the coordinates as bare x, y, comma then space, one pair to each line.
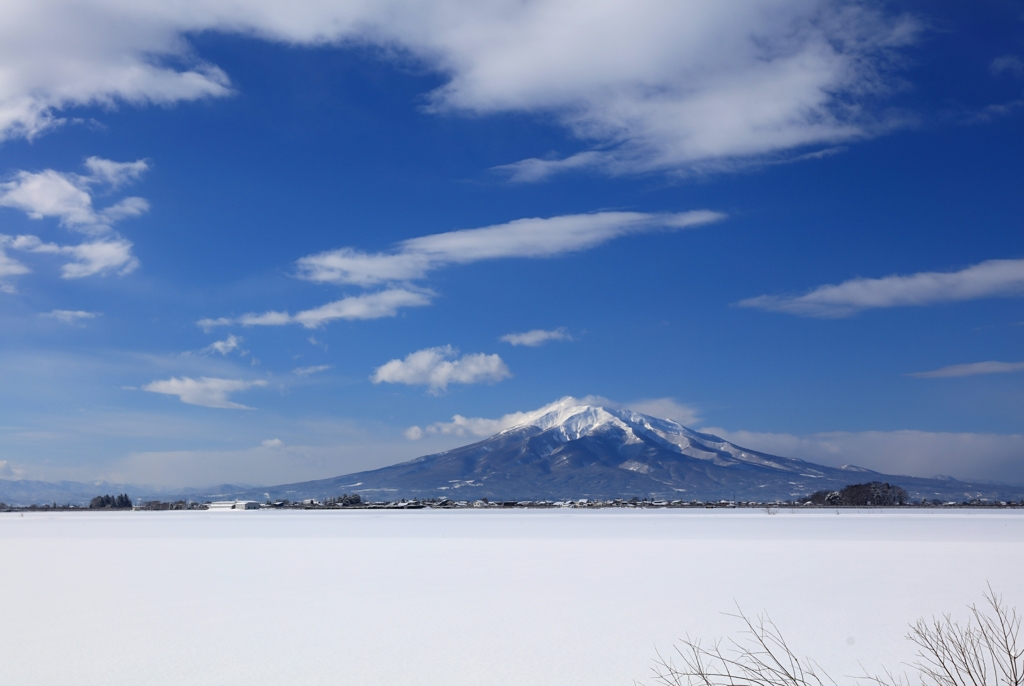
567, 597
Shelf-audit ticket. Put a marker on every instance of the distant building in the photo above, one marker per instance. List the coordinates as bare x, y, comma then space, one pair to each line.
235, 505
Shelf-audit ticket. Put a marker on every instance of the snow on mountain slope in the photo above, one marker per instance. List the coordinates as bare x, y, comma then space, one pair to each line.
569, 419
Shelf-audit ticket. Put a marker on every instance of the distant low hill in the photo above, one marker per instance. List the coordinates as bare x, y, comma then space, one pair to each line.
22, 492
28, 492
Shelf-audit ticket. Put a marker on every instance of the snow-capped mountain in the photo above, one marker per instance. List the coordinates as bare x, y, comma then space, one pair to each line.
572, 449
568, 449
632, 432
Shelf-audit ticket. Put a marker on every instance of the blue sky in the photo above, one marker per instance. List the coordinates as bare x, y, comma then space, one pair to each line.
277, 242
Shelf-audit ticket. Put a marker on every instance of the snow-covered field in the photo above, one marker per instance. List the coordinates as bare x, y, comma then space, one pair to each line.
472, 597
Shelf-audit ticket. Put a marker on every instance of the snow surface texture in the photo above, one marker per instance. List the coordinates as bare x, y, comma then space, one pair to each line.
472, 597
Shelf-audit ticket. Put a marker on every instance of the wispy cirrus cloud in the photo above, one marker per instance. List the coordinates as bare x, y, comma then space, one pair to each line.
70, 316
971, 369
384, 303
204, 391
993, 278
1007, 65
438, 367
645, 85
314, 369
415, 258
533, 237
536, 337
230, 343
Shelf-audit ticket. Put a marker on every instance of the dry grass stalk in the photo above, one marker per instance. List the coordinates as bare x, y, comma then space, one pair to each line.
984, 651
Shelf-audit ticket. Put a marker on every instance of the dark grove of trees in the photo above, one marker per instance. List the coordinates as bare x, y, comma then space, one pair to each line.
872, 493
110, 502
161, 505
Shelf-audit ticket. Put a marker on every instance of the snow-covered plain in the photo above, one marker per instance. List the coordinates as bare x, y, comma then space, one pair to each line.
472, 597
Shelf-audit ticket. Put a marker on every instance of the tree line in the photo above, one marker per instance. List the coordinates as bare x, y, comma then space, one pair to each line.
111, 502
859, 495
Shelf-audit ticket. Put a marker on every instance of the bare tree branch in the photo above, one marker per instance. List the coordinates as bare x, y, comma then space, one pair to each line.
984, 651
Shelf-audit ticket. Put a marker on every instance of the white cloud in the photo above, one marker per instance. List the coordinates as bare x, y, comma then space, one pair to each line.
481, 427
665, 408
68, 197
478, 427
652, 84
87, 259
125, 208
70, 316
350, 266
533, 237
308, 371
205, 391
972, 369
207, 324
412, 259
272, 443
1007, 64
49, 194
98, 257
265, 319
536, 169
371, 306
438, 367
998, 457
992, 278
996, 111
9, 266
536, 337
230, 343
384, 303
115, 174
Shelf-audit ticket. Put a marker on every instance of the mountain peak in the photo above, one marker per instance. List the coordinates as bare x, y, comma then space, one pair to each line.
570, 419
575, 417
